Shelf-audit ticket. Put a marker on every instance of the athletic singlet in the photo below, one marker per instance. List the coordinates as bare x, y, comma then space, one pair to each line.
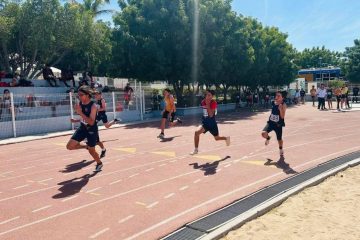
168, 105
86, 109
213, 105
275, 115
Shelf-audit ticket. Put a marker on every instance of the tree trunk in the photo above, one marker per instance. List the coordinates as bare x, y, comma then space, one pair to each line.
178, 88
226, 88
6, 56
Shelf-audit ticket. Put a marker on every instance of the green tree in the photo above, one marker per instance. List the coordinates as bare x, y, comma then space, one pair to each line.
352, 64
317, 57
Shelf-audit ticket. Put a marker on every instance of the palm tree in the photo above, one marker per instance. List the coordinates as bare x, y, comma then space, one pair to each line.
94, 6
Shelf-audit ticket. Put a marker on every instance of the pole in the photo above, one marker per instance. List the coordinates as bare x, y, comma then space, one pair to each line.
71, 109
136, 98
114, 105
141, 105
12, 105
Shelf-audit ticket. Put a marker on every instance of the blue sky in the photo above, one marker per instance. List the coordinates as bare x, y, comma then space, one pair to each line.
332, 23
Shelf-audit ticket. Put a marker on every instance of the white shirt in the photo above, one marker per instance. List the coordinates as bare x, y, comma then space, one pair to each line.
321, 93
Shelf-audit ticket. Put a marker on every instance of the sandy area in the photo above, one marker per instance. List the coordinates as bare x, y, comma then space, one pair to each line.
328, 211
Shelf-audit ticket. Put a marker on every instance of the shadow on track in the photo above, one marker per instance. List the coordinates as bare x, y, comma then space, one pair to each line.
281, 164
76, 166
73, 186
208, 168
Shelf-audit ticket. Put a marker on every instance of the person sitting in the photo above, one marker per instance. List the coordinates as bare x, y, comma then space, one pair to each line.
49, 76
13, 82
67, 74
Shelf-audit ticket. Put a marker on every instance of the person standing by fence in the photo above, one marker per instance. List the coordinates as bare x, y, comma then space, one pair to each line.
321, 94
313, 95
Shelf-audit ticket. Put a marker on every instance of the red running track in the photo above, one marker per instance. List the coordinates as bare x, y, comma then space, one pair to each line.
149, 188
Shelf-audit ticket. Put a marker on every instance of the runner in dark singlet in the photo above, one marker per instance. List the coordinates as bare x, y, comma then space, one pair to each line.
209, 124
276, 121
101, 116
88, 126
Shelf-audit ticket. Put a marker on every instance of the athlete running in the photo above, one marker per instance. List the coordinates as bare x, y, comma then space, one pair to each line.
276, 121
101, 116
88, 129
169, 109
209, 123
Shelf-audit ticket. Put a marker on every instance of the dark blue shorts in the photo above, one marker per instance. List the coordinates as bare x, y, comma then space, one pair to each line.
210, 125
102, 117
274, 127
90, 133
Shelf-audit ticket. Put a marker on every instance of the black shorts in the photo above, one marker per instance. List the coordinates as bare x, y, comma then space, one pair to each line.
328, 97
90, 133
210, 125
102, 117
343, 96
166, 115
274, 127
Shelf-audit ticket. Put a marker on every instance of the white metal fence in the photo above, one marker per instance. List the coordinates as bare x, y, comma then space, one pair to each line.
26, 114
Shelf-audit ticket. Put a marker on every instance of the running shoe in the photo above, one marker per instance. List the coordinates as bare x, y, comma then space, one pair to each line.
116, 121
267, 141
102, 153
179, 120
196, 151
98, 167
228, 141
161, 136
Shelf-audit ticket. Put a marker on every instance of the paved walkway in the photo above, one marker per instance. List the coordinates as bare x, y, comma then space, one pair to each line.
149, 188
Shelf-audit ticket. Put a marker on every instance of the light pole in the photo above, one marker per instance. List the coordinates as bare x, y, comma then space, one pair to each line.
320, 58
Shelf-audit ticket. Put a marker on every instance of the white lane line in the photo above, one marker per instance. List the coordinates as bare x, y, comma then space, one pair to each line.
183, 188
93, 190
45, 180
173, 161
169, 195
67, 199
25, 168
151, 185
150, 169
133, 175
152, 205
126, 219
21, 186
161, 165
7, 172
42, 208
196, 181
99, 233
9, 220
227, 165
218, 170
117, 181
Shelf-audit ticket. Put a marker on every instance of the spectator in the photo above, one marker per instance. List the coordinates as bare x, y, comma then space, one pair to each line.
355, 94
66, 75
49, 76
313, 94
329, 95
296, 96
344, 92
321, 94
302, 95
13, 82
128, 91
24, 83
337, 92
5, 106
